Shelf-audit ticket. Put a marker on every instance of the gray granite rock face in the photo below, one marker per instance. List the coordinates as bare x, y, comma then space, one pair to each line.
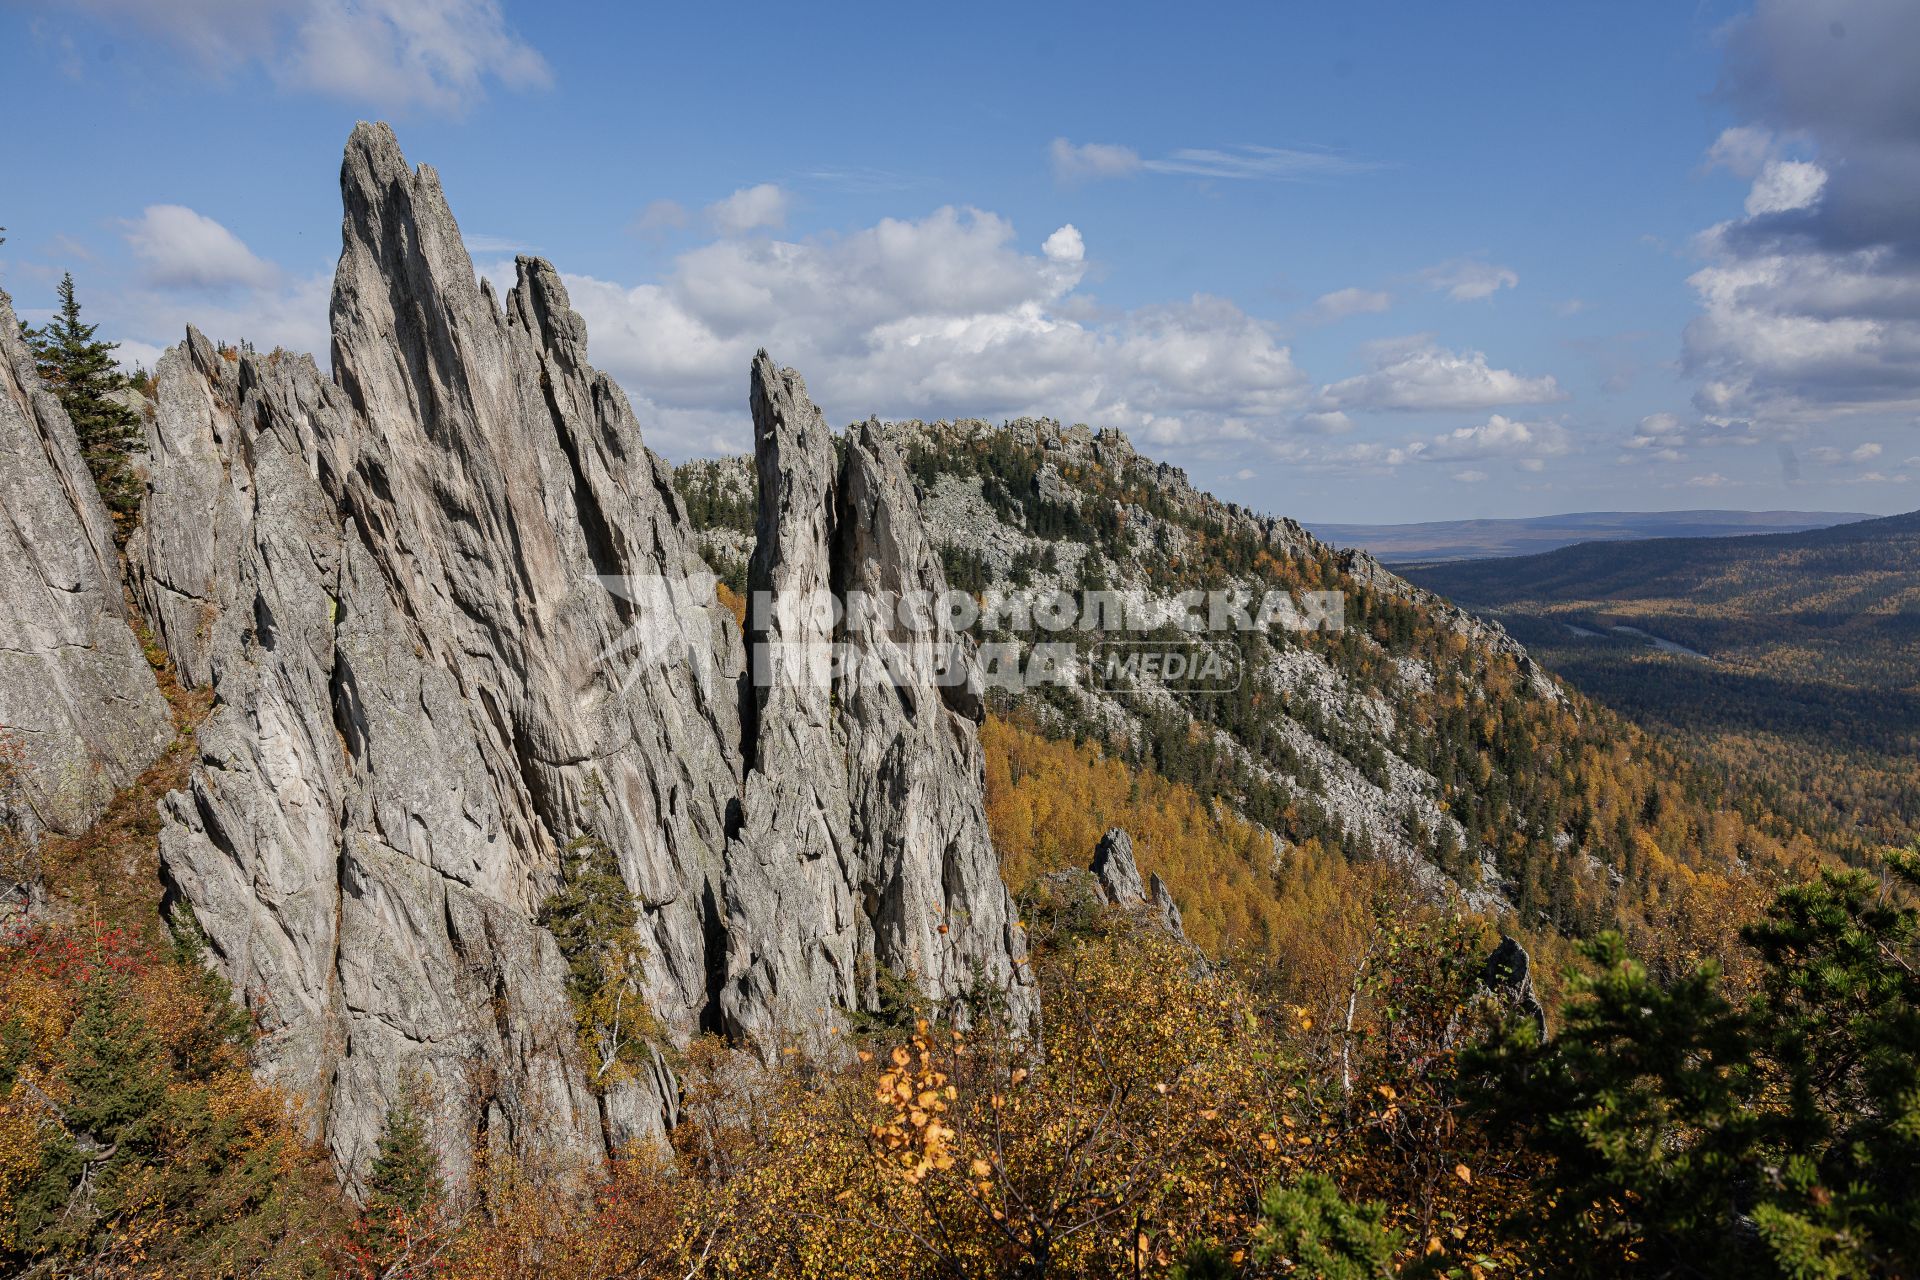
75, 689
864, 846
794, 926
339, 840
1115, 872
941, 916
454, 619
421, 594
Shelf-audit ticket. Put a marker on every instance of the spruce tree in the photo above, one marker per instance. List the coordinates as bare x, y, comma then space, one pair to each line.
405, 1176
1309, 1229
115, 1068
81, 372
403, 1188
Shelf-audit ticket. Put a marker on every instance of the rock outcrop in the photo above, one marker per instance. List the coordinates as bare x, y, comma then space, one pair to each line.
864, 846
1116, 882
420, 595
940, 913
75, 690
1508, 973
1115, 872
455, 622
793, 918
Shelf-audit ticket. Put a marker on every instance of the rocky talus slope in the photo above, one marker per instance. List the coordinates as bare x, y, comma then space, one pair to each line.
75, 691
422, 590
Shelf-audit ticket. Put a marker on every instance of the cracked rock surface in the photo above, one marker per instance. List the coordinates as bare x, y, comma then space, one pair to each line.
75, 690
454, 619
864, 847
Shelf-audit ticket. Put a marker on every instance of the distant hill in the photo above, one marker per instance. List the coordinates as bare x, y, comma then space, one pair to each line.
1415, 738
1476, 539
1793, 658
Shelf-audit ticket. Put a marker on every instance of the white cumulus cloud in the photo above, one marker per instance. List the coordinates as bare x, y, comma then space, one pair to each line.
1785, 185
1065, 245
749, 209
1809, 301
935, 316
180, 248
1420, 375
1501, 437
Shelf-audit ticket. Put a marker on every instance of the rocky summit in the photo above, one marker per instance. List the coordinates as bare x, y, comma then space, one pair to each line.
455, 627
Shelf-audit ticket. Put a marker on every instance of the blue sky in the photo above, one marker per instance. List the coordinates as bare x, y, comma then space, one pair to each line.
1364, 262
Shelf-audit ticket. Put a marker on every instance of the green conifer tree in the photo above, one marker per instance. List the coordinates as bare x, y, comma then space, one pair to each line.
1690, 1135
1840, 1019
403, 1188
114, 1068
1308, 1229
81, 372
405, 1177
107, 1128
595, 921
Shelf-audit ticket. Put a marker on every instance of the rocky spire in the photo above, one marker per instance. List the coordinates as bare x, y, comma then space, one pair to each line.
864, 846
794, 924
75, 690
1116, 881
1114, 870
455, 622
939, 911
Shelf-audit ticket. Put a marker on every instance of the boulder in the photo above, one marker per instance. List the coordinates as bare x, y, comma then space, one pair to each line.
1508, 973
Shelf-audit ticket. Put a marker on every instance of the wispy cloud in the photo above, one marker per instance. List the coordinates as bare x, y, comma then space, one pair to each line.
1342, 303
1469, 279
442, 56
660, 216
1246, 162
862, 180
1286, 164
1088, 161
480, 243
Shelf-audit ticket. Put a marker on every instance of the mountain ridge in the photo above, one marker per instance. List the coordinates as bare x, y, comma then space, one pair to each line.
1447, 540
1803, 671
